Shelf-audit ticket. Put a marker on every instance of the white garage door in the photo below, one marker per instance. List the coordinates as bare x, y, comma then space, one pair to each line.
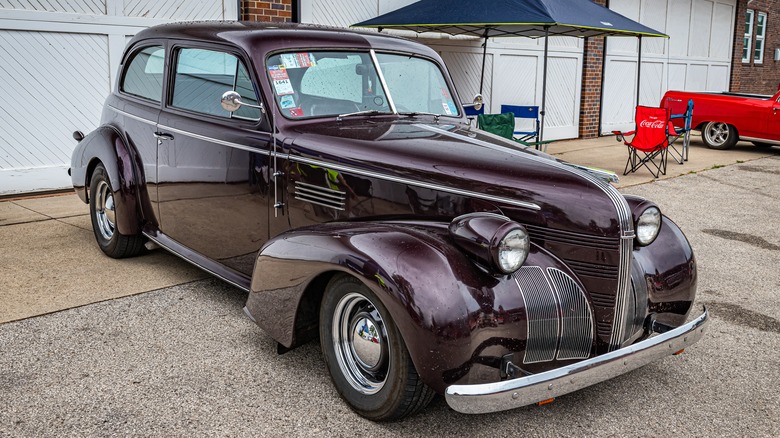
513, 71
59, 59
696, 57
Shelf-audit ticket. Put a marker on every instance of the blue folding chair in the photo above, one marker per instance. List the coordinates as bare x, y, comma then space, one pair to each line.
681, 155
472, 113
530, 113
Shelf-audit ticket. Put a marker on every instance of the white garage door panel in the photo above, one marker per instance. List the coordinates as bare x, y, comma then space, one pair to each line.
679, 27
720, 42
697, 77
562, 103
176, 10
701, 22
41, 105
653, 86
718, 77
619, 82
95, 7
677, 75
58, 60
517, 82
465, 69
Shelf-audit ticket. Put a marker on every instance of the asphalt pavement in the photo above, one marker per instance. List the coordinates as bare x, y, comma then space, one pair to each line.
185, 361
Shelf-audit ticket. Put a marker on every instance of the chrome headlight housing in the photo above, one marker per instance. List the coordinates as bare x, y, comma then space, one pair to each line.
494, 240
647, 226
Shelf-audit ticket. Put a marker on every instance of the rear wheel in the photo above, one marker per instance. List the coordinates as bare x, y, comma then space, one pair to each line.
102, 211
719, 135
367, 359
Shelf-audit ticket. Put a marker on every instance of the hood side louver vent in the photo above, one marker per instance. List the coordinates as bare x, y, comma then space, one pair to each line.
322, 196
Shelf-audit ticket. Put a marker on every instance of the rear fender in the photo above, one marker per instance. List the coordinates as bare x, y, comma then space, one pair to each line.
107, 146
451, 313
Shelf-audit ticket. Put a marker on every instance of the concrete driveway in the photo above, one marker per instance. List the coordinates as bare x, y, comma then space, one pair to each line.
183, 360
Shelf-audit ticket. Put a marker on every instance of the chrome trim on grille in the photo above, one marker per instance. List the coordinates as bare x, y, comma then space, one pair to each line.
323, 196
541, 308
576, 317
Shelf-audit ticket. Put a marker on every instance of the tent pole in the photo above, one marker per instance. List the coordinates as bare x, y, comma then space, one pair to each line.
484, 56
544, 83
639, 70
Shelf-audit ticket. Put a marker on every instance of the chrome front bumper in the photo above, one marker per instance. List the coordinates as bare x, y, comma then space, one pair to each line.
522, 391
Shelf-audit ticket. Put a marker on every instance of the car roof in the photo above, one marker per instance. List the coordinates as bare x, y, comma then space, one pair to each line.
254, 37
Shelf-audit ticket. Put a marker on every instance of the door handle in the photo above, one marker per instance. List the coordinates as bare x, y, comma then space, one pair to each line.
163, 136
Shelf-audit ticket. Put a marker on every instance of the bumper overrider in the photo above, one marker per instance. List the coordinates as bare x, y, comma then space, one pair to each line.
523, 391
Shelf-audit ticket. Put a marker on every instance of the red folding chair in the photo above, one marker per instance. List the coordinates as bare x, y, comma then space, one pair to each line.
649, 146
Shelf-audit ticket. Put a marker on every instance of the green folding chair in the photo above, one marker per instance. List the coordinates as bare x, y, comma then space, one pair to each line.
503, 125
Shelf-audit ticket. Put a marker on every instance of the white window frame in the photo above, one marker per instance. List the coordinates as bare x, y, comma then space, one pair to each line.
760, 37
747, 50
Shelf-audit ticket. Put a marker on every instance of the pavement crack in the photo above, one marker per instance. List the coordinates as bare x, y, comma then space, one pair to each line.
48, 218
736, 186
742, 237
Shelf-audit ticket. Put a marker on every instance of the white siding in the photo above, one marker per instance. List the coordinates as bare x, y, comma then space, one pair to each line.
59, 62
696, 57
513, 70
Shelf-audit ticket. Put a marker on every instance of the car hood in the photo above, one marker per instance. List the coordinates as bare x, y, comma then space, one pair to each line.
457, 156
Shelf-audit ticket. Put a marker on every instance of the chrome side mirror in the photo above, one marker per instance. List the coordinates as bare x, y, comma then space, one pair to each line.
231, 102
478, 102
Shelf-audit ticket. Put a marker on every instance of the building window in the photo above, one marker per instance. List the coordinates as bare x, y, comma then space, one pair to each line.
747, 44
758, 51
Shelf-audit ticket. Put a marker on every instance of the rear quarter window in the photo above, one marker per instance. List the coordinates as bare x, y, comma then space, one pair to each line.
144, 74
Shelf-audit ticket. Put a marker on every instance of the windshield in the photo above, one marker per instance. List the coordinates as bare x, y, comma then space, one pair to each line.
340, 83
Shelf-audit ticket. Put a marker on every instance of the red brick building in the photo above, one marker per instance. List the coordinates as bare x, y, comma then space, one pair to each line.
755, 67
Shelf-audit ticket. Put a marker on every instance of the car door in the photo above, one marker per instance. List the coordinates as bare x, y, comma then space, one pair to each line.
213, 165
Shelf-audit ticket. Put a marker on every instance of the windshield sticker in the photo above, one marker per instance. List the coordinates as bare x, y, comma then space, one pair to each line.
287, 102
298, 60
447, 109
296, 112
281, 81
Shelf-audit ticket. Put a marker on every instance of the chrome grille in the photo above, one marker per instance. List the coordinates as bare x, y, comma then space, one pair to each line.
325, 197
542, 314
576, 317
572, 238
560, 322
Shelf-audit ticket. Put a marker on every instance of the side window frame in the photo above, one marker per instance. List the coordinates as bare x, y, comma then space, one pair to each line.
129, 56
747, 50
758, 58
174, 50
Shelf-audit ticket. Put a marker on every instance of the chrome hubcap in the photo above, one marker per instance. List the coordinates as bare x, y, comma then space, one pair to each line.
104, 210
360, 343
717, 133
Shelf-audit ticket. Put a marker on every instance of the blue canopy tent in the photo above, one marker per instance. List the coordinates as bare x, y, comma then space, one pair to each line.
514, 18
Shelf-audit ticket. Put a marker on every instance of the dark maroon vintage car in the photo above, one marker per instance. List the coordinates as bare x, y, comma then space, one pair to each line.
334, 176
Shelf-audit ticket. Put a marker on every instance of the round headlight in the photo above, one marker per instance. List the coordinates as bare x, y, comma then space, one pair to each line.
512, 250
647, 226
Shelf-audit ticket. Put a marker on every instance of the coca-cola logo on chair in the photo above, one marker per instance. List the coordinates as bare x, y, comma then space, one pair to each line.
652, 123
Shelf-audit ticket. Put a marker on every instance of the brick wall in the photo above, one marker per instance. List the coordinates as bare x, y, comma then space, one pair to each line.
751, 77
271, 10
592, 76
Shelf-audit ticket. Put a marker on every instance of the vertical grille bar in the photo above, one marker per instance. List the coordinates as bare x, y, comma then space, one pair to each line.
576, 317
542, 314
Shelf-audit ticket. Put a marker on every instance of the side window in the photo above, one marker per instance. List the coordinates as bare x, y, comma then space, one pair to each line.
202, 76
144, 74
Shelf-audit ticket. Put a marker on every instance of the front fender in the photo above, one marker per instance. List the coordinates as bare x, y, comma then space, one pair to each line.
107, 146
451, 314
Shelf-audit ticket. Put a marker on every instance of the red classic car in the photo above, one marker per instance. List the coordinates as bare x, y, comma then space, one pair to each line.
725, 118
333, 176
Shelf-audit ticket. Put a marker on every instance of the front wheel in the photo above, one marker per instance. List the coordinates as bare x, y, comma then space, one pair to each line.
719, 135
102, 211
367, 359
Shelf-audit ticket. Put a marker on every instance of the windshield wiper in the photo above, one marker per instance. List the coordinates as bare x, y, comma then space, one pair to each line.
360, 113
421, 113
